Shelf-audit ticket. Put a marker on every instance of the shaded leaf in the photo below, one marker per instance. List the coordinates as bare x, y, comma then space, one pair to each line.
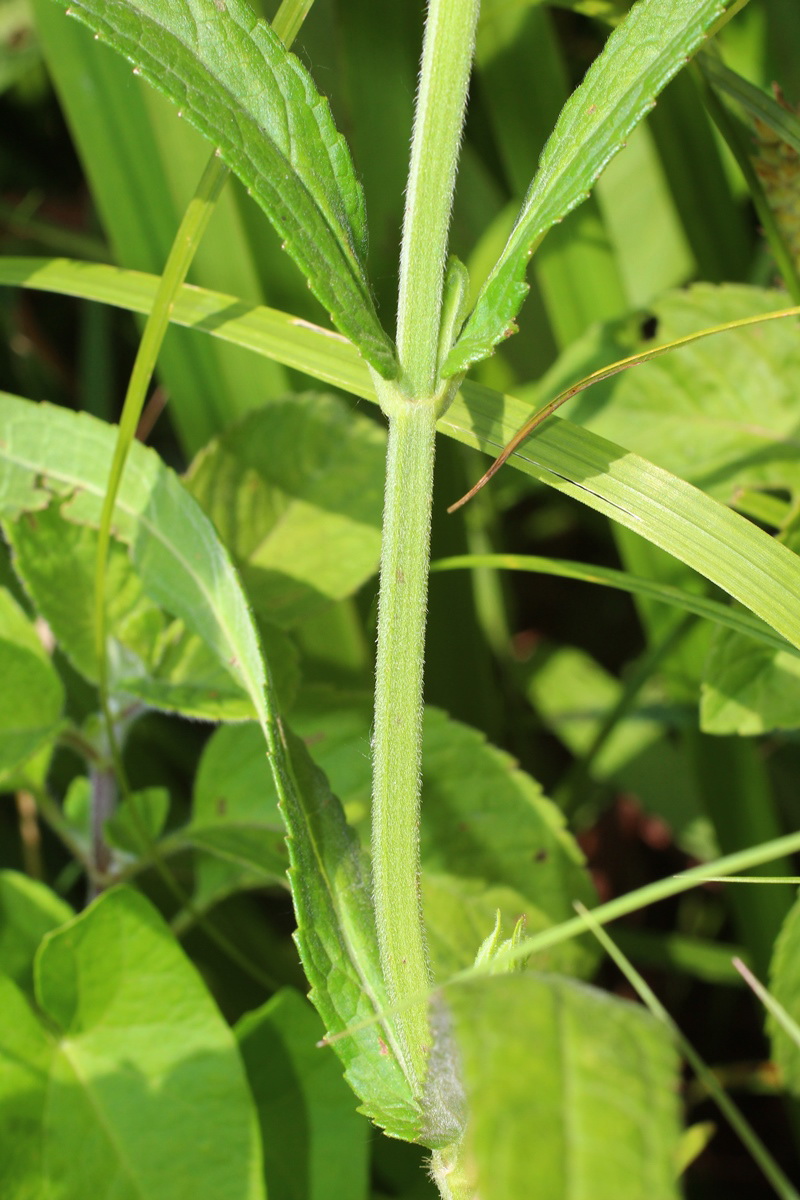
315, 1144
31, 696
639, 58
231, 76
295, 491
566, 1086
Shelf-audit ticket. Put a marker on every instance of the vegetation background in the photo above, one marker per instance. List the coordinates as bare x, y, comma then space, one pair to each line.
602, 697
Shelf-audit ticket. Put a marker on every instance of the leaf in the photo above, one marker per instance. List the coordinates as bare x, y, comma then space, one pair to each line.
32, 695
483, 819
662, 508
619, 89
152, 656
47, 451
720, 412
566, 1086
138, 821
748, 689
233, 79
28, 910
235, 817
131, 1062
295, 491
489, 838
315, 1145
785, 987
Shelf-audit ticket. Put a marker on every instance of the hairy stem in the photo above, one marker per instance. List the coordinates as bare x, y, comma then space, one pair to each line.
398, 720
444, 77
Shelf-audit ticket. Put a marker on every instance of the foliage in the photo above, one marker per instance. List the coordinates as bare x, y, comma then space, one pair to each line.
155, 1039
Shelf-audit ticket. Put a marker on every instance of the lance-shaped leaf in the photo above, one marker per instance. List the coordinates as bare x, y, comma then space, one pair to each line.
234, 80
638, 60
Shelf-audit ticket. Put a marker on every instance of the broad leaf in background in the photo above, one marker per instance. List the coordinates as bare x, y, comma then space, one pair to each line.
721, 412
295, 491
747, 688
235, 817
568, 1087
32, 695
28, 910
315, 1144
232, 77
639, 58
121, 1054
785, 987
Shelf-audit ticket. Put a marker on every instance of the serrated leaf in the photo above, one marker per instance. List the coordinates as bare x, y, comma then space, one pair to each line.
338, 945
130, 1045
568, 1087
232, 77
619, 89
295, 491
785, 987
315, 1145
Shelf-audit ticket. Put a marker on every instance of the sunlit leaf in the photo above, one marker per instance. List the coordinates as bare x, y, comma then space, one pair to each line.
231, 76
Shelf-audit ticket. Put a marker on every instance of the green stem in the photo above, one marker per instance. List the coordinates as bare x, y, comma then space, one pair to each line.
441, 100
397, 737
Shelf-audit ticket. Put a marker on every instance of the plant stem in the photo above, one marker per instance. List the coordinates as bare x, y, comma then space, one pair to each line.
441, 100
398, 720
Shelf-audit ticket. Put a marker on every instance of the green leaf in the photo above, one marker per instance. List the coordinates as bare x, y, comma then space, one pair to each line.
489, 838
338, 945
785, 987
32, 695
720, 412
315, 1144
28, 910
152, 656
566, 1086
138, 821
485, 821
235, 817
660, 507
295, 491
747, 688
25, 1060
130, 1047
233, 79
640, 57
46, 452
